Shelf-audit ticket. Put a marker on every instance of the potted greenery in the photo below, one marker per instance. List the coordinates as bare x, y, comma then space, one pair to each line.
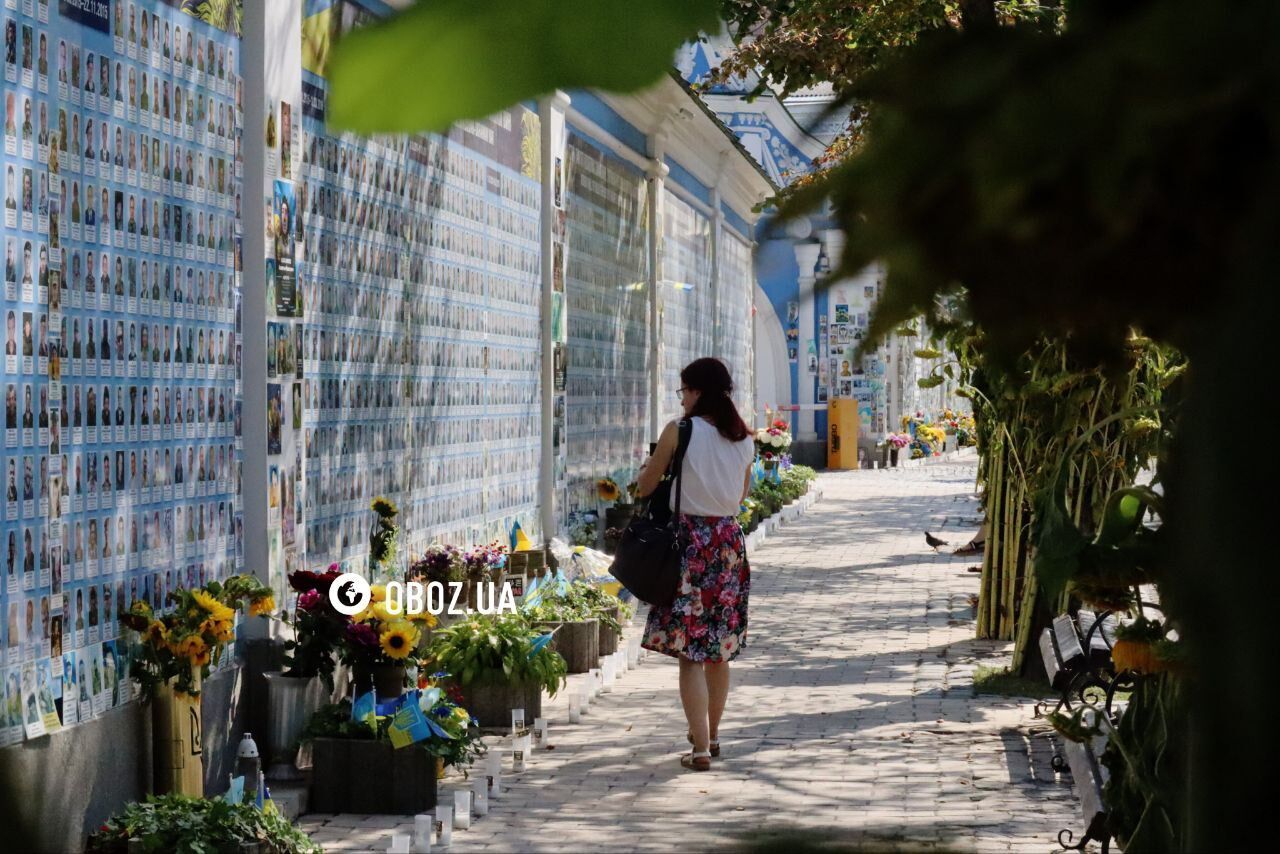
610, 612
184, 823
500, 663
577, 631
172, 654
357, 767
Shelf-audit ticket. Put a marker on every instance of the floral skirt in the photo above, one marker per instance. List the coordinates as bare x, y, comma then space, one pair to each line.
708, 619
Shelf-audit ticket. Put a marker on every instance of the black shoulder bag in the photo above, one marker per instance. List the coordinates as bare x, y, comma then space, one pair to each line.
649, 554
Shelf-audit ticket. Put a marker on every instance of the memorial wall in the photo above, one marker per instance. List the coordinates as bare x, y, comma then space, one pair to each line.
121, 160
684, 290
420, 369
608, 320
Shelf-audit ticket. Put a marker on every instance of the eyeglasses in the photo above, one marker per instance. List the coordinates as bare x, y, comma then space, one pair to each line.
680, 391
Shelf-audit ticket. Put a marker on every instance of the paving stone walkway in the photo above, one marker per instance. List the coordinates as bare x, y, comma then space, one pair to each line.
852, 715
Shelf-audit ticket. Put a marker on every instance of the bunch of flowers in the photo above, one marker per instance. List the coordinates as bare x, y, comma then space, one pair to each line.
607, 489
376, 636
483, 563
442, 563
928, 441
318, 628
184, 642
773, 440
384, 539
582, 527
897, 441
441, 701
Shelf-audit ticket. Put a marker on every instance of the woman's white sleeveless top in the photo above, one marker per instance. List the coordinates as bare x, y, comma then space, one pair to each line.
714, 469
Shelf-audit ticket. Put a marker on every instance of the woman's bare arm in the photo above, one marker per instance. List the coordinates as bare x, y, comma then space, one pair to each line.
746, 484
655, 467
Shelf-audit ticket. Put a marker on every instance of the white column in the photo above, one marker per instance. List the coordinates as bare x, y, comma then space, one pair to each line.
807, 259
253, 296
551, 110
717, 227
657, 174
755, 362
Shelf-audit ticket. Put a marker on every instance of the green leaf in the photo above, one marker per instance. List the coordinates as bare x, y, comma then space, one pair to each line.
441, 61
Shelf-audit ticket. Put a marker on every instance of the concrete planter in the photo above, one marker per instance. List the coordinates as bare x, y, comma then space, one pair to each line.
608, 638
489, 697
577, 642
366, 776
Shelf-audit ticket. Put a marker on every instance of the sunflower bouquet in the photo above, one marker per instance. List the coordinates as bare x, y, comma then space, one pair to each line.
375, 636
384, 539
182, 643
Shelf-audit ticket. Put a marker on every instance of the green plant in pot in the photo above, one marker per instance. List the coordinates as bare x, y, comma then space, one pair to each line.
499, 662
188, 824
573, 617
454, 740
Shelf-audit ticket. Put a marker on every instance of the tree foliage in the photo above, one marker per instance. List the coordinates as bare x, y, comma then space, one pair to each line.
443, 61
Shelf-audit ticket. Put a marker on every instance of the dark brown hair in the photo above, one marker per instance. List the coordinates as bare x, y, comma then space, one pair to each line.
710, 377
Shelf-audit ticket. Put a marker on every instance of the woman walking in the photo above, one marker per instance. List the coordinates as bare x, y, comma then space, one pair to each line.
707, 623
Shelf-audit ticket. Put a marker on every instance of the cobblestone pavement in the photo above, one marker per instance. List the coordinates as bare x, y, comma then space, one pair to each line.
852, 714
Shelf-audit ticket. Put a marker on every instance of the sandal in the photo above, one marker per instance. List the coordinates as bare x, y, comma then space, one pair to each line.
715, 744
696, 761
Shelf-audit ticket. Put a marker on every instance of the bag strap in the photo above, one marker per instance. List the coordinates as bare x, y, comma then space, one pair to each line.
677, 462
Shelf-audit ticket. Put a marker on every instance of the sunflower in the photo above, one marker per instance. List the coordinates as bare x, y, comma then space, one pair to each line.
221, 630
216, 609
262, 606
607, 489
427, 618
378, 593
192, 647
399, 640
379, 612
157, 634
384, 506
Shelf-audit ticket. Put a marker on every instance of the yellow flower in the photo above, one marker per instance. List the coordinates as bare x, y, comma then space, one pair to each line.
378, 593
192, 647
157, 634
399, 640
384, 506
262, 607
215, 608
221, 630
607, 489
427, 618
